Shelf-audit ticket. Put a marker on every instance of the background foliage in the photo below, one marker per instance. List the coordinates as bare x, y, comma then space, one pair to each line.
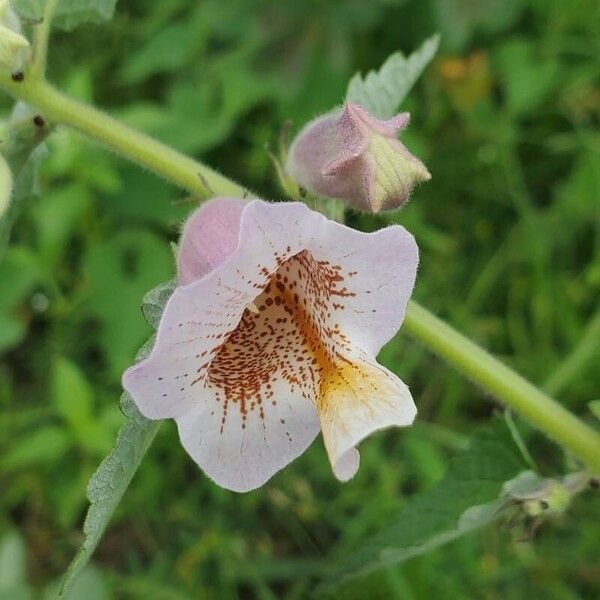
506, 119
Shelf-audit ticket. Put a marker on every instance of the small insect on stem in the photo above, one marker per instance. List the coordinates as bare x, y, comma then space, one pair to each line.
39, 121
17, 76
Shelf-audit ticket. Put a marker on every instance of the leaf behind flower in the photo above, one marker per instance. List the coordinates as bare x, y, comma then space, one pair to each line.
69, 13
108, 484
381, 92
472, 494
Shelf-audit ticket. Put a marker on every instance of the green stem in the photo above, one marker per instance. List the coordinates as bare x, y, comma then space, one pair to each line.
578, 359
506, 385
41, 35
181, 170
471, 360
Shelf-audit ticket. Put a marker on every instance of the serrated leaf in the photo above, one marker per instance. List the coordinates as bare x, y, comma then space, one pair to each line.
108, 484
155, 300
69, 13
381, 92
471, 494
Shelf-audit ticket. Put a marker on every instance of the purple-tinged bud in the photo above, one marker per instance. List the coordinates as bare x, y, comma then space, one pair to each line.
209, 236
353, 156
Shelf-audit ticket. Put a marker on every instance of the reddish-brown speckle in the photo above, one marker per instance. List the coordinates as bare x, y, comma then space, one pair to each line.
291, 338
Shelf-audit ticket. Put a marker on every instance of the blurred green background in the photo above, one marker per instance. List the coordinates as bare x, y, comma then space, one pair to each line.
506, 118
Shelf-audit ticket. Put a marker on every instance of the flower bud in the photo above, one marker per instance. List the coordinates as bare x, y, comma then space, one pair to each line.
15, 50
210, 235
353, 156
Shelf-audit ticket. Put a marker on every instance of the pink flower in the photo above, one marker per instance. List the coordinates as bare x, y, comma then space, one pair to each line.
272, 335
355, 157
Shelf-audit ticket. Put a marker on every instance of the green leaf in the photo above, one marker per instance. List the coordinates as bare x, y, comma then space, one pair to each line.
108, 484
13, 562
472, 494
25, 187
127, 264
155, 301
23, 148
69, 13
73, 398
45, 446
89, 586
58, 219
71, 392
459, 21
214, 101
527, 79
19, 275
381, 92
170, 48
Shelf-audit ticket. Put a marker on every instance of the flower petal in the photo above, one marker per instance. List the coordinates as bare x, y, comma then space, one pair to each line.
242, 453
357, 399
239, 441
199, 317
279, 334
375, 277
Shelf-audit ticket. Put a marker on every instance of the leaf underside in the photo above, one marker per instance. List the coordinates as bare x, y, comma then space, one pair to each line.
24, 168
69, 13
108, 484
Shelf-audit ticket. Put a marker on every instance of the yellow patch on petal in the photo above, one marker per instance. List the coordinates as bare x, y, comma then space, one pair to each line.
356, 399
290, 334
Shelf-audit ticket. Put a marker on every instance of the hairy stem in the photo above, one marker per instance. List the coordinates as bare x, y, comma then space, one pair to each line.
41, 35
469, 358
163, 160
506, 385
